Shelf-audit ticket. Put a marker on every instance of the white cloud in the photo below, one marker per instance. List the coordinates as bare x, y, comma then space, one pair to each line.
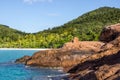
34, 1
53, 14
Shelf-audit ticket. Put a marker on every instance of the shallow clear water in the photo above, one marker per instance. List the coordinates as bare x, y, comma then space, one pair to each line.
12, 71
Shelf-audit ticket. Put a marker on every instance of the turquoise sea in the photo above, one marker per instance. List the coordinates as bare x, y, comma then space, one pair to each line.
12, 71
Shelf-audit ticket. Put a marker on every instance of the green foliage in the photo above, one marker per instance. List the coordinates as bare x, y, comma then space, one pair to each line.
8, 34
86, 27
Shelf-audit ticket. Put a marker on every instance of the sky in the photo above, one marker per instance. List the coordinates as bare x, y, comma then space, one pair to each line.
36, 15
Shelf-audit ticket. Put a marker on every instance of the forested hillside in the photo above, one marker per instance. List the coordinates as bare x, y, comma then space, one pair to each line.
8, 34
87, 27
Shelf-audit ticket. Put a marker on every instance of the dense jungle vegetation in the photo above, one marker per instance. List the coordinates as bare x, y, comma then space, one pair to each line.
86, 27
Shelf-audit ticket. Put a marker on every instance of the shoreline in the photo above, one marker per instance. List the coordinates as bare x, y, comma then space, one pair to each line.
25, 49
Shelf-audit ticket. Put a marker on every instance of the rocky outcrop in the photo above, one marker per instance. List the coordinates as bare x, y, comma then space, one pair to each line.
105, 65
54, 58
23, 60
110, 33
92, 46
98, 66
84, 60
70, 54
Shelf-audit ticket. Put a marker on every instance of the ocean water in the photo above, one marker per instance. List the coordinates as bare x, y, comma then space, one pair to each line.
12, 71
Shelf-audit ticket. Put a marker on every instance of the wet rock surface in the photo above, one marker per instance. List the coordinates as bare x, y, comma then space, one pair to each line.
23, 60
